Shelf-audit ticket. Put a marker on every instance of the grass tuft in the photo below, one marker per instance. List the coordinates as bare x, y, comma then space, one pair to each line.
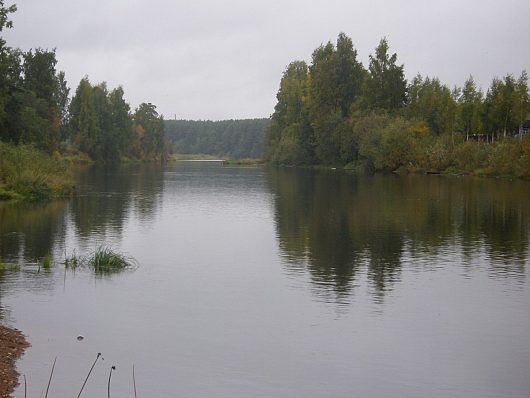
73, 261
104, 260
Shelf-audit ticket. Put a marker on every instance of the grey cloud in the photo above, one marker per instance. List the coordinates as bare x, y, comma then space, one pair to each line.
224, 59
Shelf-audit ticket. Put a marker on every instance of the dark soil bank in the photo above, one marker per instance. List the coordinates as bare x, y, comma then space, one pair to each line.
12, 346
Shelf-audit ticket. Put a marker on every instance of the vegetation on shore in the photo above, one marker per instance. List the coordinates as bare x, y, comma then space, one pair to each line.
335, 112
95, 124
243, 162
41, 129
192, 156
30, 174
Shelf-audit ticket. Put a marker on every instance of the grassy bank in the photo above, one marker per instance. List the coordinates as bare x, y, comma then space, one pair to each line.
192, 156
243, 162
29, 174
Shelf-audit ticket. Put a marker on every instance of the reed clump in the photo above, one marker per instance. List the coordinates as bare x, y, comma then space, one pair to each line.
72, 261
105, 260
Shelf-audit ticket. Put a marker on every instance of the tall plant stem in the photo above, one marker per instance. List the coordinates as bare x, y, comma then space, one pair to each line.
88, 375
50, 380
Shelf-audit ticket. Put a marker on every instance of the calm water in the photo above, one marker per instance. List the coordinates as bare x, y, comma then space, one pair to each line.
276, 283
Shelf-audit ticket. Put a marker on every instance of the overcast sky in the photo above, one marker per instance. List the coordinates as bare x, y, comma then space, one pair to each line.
206, 59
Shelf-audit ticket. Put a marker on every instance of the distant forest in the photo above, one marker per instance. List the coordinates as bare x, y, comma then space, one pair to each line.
236, 139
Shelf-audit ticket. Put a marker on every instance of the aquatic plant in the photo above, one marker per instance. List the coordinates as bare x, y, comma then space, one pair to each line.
89, 372
50, 379
110, 376
104, 260
45, 262
73, 261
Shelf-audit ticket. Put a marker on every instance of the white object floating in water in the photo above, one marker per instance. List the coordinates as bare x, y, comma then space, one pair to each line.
80, 338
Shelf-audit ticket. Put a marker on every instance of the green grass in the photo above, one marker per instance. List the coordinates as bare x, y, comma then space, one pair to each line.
105, 260
29, 174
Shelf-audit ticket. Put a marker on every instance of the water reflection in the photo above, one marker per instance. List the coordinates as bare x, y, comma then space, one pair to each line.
340, 226
107, 197
28, 231
109, 193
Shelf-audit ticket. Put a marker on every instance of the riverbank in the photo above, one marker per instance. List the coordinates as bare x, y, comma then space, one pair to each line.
12, 346
29, 174
506, 158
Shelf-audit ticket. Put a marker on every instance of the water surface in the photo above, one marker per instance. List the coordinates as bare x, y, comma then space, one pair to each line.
275, 283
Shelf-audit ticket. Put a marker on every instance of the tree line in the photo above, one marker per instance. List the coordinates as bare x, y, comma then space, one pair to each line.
335, 111
236, 139
35, 108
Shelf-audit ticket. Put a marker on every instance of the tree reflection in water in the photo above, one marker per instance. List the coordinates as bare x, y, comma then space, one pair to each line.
340, 226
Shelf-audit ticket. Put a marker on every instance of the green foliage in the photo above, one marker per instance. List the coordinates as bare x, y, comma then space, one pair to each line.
334, 85
392, 144
506, 105
30, 174
385, 86
310, 120
104, 260
72, 261
82, 119
334, 112
289, 133
470, 108
431, 101
102, 126
35, 109
5, 22
148, 137
29, 111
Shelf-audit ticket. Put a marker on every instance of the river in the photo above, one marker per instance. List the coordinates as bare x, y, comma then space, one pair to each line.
256, 282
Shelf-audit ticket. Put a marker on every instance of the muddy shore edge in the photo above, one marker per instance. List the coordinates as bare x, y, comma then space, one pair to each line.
12, 345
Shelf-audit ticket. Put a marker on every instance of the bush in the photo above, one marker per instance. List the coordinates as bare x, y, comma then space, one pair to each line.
392, 144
